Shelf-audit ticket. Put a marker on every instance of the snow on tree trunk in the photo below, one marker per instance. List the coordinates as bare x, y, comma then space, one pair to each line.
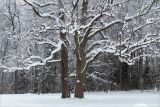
81, 55
80, 65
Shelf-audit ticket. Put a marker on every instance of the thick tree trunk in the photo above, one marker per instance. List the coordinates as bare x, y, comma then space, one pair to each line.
80, 64
80, 72
80, 55
64, 72
64, 55
125, 77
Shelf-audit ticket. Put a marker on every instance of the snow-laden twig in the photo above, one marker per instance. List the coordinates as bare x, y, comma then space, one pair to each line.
100, 79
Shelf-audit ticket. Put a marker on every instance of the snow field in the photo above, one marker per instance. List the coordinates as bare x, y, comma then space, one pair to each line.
92, 99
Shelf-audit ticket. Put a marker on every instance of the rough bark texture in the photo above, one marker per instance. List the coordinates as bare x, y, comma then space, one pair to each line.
64, 72
81, 55
80, 72
64, 56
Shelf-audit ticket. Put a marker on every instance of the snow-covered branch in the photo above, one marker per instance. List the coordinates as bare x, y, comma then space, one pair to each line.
108, 25
40, 13
45, 5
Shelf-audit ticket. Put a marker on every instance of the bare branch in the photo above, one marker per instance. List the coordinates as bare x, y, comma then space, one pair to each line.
105, 27
40, 13
144, 11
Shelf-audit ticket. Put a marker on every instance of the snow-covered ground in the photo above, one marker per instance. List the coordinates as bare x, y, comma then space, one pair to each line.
93, 99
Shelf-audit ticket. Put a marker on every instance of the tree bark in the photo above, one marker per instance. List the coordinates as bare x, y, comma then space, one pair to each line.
64, 55
64, 72
140, 64
15, 83
80, 73
80, 68
81, 55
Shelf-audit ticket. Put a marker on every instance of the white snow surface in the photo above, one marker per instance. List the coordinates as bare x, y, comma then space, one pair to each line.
92, 99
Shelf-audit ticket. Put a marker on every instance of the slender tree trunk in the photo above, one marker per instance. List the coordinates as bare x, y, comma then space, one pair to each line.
39, 84
2, 78
141, 80
15, 82
121, 68
120, 76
